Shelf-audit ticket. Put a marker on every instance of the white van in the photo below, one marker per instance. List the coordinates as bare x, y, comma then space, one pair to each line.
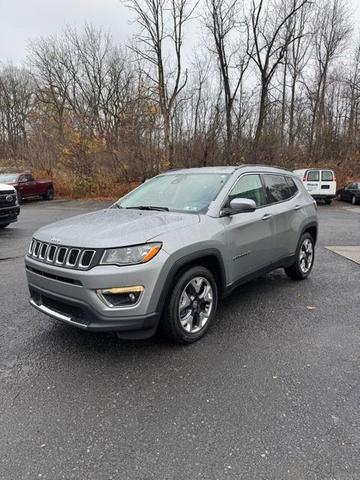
320, 183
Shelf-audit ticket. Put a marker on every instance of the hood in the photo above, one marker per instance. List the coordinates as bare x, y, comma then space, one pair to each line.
113, 228
6, 188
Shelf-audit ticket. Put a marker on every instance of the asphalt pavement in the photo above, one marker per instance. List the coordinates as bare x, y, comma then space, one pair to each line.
271, 392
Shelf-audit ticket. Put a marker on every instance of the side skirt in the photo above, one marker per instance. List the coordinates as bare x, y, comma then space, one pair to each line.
282, 263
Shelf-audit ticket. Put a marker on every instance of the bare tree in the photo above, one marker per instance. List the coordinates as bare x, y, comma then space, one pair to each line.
162, 34
231, 46
298, 59
272, 37
332, 28
269, 78
16, 92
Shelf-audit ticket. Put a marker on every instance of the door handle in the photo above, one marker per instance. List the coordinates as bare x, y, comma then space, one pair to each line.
297, 207
267, 216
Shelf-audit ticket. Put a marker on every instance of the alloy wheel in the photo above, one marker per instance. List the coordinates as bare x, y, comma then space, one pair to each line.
196, 304
306, 255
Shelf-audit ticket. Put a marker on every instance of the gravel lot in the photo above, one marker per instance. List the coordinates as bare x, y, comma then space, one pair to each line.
272, 392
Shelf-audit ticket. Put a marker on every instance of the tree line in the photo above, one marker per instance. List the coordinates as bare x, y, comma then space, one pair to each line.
199, 83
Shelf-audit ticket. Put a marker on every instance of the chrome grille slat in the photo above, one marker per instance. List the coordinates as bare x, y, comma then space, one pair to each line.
52, 251
72, 260
31, 247
43, 251
61, 255
88, 263
63, 252
36, 248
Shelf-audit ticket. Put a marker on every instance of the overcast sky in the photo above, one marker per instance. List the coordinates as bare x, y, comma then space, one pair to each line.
23, 20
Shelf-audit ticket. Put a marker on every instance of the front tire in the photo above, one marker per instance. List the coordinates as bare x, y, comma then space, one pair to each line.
191, 307
354, 200
328, 201
305, 256
4, 226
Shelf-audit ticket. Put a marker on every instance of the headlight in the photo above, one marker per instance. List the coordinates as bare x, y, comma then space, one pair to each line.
130, 255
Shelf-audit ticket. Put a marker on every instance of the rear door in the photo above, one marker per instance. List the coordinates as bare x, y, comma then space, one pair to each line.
286, 209
328, 183
312, 182
249, 235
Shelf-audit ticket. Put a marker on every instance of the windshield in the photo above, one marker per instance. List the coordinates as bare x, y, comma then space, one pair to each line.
8, 178
185, 192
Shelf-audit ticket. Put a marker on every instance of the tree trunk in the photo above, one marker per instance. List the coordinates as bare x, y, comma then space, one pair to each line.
262, 112
292, 111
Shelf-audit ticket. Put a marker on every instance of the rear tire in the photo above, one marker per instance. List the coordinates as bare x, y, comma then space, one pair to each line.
49, 195
304, 258
328, 201
4, 226
191, 306
354, 200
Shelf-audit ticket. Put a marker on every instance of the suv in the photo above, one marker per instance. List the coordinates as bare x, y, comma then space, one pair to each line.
321, 184
9, 205
165, 253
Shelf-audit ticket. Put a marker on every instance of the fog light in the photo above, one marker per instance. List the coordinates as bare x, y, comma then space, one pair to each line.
120, 296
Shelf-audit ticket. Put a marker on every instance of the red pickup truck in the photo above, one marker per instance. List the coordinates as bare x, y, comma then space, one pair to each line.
27, 187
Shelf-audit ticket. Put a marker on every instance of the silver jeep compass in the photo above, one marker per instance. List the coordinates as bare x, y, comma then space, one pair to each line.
163, 255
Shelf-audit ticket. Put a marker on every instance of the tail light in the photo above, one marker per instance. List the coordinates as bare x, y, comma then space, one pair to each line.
304, 179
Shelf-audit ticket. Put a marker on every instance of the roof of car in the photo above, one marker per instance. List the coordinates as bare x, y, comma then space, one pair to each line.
227, 169
215, 169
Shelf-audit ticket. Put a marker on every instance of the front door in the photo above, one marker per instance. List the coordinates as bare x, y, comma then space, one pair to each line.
249, 234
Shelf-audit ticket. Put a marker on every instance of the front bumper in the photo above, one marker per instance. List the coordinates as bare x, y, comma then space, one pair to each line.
70, 296
9, 214
82, 316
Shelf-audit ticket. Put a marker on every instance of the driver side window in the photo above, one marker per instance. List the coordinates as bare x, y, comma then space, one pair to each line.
251, 187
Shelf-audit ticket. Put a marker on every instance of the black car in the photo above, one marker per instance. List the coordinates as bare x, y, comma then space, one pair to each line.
350, 193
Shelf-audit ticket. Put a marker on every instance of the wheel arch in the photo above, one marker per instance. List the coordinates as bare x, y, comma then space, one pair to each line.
209, 258
311, 228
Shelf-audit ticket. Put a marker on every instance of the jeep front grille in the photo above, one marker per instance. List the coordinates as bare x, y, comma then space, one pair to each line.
61, 256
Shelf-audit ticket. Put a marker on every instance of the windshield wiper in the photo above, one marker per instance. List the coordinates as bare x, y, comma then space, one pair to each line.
148, 207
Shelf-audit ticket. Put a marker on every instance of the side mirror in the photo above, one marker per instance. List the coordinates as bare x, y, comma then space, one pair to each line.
242, 205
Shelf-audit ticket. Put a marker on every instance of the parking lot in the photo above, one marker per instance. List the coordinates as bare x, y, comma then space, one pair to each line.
272, 392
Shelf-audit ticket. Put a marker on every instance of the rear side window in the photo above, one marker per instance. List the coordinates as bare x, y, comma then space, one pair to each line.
292, 186
278, 188
249, 186
313, 176
327, 176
